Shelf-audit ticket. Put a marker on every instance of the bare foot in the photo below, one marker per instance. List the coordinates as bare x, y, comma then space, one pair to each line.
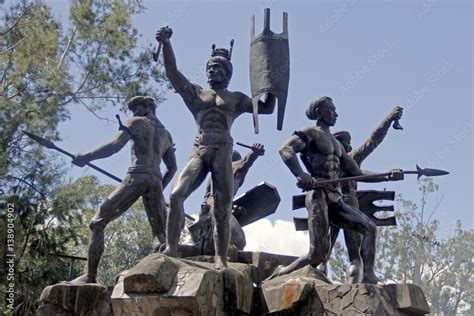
83, 279
220, 263
156, 247
371, 279
161, 249
280, 270
170, 252
354, 274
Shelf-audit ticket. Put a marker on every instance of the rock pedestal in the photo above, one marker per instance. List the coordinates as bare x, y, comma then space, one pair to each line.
161, 285
66, 299
308, 292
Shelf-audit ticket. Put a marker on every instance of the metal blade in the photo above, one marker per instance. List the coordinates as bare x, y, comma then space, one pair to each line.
40, 140
429, 172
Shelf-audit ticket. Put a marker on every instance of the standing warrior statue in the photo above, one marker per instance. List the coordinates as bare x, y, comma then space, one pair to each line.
362, 259
325, 159
151, 143
214, 111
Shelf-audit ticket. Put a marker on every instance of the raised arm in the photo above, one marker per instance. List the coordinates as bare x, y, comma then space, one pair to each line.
169, 159
103, 151
179, 82
377, 136
242, 166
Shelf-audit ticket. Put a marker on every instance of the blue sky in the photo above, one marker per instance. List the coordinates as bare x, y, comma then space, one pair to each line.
368, 56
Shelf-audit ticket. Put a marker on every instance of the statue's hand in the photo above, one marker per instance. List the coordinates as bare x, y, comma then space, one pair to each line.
396, 113
80, 160
396, 175
163, 35
258, 149
305, 182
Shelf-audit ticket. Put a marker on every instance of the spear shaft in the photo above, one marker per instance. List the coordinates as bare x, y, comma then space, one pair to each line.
49, 144
419, 171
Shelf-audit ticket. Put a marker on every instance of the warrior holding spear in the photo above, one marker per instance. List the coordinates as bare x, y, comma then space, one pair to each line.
151, 143
325, 159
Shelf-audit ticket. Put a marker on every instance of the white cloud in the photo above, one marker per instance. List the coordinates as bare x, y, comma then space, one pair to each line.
279, 238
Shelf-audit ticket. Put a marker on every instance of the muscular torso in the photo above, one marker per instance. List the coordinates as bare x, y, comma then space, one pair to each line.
215, 111
150, 140
322, 154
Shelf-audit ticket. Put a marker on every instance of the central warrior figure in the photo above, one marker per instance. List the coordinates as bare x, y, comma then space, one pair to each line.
214, 111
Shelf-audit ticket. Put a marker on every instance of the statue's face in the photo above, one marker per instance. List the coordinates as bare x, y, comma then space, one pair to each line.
216, 72
328, 113
140, 110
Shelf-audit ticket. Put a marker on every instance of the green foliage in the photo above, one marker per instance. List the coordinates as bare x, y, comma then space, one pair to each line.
415, 252
45, 69
44, 227
46, 66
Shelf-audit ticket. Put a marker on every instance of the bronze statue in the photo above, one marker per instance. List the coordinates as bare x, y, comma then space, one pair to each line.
214, 111
325, 159
151, 143
202, 231
362, 259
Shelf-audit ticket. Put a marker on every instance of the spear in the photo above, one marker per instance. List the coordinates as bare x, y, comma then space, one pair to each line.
427, 172
49, 144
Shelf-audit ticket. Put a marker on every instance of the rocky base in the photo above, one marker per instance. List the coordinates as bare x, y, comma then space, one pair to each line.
161, 285
65, 299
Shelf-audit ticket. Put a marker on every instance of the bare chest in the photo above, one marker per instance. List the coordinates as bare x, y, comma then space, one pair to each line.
222, 101
326, 145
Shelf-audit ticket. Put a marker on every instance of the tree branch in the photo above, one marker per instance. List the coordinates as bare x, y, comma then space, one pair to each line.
16, 22
93, 112
67, 48
13, 46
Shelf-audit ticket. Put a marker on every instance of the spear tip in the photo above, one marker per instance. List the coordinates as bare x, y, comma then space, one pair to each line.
40, 140
429, 172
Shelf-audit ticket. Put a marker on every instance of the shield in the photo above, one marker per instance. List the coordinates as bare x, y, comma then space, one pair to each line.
257, 203
366, 204
269, 66
366, 200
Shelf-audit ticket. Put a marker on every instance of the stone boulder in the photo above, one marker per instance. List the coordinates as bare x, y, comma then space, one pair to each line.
183, 287
294, 293
308, 292
67, 299
408, 298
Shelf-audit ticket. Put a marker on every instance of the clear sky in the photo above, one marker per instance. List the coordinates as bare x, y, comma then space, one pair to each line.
369, 56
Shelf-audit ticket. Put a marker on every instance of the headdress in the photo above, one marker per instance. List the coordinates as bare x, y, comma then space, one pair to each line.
223, 56
146, 100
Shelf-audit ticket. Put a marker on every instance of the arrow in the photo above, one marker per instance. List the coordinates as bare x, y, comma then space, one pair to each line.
49, 144
427, 172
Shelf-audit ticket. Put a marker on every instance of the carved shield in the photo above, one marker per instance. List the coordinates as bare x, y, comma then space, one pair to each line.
269, 66
366, 200
257, 203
